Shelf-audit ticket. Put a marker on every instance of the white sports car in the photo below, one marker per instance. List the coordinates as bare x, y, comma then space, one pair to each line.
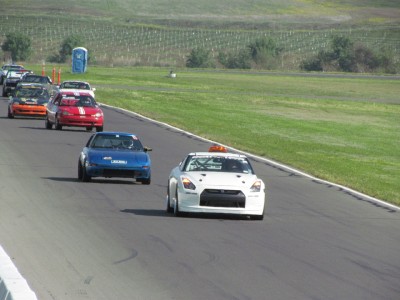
215, 182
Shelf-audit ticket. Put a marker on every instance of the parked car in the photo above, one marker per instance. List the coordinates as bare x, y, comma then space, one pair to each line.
115, 154
11, 80
78, 86
74, 109
28, 99
7, 67
215, 182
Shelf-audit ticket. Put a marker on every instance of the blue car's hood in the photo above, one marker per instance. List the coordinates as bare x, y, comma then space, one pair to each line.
118, 157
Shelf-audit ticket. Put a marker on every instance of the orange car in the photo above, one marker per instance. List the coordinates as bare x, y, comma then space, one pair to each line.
29, 100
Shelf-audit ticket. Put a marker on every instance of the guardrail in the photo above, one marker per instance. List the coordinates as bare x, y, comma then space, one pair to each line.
12, 285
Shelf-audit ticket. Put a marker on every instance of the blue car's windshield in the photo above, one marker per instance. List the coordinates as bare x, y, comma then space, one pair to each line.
117, 142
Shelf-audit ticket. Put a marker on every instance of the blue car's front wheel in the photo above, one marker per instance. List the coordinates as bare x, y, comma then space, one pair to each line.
82, 174
144, 180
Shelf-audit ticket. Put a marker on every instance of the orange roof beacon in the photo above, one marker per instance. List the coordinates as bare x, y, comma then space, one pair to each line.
217, 148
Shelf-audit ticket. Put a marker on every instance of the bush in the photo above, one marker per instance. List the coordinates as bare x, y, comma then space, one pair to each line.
199, 58
347, 57
264, 52
240, 60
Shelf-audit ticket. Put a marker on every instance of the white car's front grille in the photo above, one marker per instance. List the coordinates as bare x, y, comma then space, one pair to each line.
222, 198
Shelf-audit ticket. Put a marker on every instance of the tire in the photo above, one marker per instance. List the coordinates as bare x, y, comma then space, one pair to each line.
9, 114
99, 128
168, 207
146, 181
257, 217
79, 171
83, 174
57, 124
48, 124
4, 93
89, 128
177, 213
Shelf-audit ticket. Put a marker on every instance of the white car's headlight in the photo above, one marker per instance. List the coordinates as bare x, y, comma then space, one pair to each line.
187, 184
256, 187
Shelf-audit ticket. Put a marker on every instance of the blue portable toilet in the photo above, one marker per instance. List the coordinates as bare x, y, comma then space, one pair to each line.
79, 60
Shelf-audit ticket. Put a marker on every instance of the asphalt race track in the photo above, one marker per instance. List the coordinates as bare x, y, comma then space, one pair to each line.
112, 239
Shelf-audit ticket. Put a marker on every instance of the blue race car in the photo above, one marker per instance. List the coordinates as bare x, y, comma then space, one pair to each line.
115, 154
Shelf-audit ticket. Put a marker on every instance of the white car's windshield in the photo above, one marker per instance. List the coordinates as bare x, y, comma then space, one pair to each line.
218, 164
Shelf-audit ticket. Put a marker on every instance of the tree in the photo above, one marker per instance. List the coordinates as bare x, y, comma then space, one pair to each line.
199, 58
19, 45
68, 45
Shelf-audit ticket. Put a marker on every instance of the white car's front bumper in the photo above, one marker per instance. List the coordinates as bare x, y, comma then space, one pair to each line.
190, 201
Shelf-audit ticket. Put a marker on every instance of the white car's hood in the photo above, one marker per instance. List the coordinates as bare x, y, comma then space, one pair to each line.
223, 179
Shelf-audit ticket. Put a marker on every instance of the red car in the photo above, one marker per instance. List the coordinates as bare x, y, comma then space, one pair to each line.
74, 109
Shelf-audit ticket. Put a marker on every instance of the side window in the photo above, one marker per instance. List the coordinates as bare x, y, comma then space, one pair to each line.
90, 140
182, 165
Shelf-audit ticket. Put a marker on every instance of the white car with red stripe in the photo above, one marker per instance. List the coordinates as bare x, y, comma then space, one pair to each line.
77, 86
215, 182
74, 109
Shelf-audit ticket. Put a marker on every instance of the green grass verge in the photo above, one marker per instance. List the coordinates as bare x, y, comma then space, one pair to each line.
345, 130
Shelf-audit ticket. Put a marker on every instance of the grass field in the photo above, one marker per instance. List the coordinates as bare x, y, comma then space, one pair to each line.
162, 33
342, 129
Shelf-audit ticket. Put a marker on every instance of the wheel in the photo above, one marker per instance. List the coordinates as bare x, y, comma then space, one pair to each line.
146, 181
82, 174
9, 114
57, 124
258, 217
89, 128
4, 93
99, 128
48, 124
177, 213
79, 171
168, 207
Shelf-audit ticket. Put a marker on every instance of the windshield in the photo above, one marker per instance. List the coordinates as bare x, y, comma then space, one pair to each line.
75, 85
42, 95
218, 164
13, 75
117, 142
83, 101
36, 79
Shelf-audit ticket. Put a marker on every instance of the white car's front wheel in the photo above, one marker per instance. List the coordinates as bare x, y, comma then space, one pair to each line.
177, 213
168, 207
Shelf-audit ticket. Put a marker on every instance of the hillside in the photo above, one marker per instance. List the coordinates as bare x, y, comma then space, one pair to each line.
273, 12
162, 33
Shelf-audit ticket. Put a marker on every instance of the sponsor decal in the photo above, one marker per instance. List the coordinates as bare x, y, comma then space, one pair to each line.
119, 162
